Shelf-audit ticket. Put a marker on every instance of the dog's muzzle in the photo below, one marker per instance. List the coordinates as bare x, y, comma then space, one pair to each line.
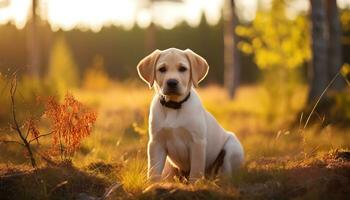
171, 87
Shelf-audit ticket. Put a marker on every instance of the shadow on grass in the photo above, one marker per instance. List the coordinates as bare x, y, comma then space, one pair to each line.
319, 176
60, 182
169, 193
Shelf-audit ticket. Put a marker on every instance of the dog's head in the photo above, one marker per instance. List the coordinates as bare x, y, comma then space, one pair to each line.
173, 71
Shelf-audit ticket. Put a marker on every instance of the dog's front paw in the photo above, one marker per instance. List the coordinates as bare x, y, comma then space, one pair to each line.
195, 179
154, 178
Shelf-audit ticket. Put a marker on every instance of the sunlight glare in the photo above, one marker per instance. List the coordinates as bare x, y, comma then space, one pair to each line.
68, 14
93, 14
16, 12
193, 12
144, 18
212, 10
167, 15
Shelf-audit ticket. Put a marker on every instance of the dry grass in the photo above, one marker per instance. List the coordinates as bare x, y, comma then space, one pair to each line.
133, 175
281, 162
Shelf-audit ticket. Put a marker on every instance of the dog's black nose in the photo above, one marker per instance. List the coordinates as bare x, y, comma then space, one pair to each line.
172, 83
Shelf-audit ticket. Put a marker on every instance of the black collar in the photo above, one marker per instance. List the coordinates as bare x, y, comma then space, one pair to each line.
173, 104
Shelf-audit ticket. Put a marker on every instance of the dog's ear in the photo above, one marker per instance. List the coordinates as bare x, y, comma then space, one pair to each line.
199, 66
146, 67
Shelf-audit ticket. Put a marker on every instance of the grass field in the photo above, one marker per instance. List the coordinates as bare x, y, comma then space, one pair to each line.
283, 160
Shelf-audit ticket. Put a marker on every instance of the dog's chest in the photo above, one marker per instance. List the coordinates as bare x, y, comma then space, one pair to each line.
176, 138
171, 120
174, 129
177, 143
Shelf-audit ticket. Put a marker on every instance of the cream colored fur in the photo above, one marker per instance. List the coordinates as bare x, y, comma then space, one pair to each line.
188, 139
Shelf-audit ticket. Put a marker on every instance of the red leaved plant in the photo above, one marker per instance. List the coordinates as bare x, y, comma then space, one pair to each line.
71, 123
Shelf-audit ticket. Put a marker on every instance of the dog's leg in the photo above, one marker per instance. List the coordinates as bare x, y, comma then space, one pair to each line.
169, 171
156, 160
197, 158
234, 155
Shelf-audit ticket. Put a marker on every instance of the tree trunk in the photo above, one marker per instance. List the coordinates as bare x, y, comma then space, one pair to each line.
334, 44
33, 45
319, 74
231, 58
150, 38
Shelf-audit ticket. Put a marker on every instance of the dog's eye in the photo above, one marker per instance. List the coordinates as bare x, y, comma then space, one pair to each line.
182, 69
162, 69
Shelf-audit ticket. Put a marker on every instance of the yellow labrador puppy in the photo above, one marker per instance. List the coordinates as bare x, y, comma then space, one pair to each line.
183, 136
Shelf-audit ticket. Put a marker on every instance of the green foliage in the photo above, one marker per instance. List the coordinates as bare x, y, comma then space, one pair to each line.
345, 72
63, 71
280, 85
275, 40
280, 46
341, 110
345, 20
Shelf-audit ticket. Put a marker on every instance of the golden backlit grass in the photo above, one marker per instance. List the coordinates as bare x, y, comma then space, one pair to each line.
123, 113
274, 150
133, 175
121, 128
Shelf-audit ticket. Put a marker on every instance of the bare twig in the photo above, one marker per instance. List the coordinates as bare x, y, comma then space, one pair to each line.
324, 91
5, 86
58, 186
319, 99
17, 127
346, 80
110, 190
39, 136
301, 120
27, 134
11, 141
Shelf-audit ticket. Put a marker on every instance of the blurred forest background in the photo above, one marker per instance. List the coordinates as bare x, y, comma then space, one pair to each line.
280, 36
279, 77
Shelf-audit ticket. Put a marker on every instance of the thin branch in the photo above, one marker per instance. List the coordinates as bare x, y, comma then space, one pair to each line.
13, 92
5, 86
11, 141
17, 127
319, 99
58, 186
39, 136
301, 120
346, 80
27, 134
